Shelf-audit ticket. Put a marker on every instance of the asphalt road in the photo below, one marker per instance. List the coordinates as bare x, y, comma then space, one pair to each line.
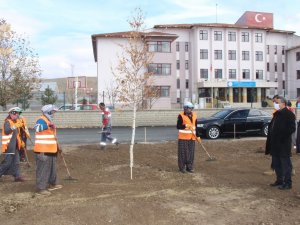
123, 134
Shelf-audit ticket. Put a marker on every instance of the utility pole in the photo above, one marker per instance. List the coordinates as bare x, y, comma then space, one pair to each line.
76, 85
216, 13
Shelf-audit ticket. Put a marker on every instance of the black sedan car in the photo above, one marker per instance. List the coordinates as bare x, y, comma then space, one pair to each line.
235, 121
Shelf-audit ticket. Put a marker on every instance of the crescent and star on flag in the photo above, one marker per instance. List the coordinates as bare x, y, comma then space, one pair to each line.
259, 18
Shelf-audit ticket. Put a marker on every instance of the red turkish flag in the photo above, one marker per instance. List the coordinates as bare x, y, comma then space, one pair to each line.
256, 19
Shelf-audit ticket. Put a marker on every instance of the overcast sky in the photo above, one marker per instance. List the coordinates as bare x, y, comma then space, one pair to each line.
60, 30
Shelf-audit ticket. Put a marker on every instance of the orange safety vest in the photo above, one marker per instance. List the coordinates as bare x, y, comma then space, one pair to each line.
45, 141
6, 137
188, 134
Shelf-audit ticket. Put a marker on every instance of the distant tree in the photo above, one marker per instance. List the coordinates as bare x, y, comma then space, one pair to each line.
48, 97
151, 94
131, 73
111, 93
22, 87
19, 66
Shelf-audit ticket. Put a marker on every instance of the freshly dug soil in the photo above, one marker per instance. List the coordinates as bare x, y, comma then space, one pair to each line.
230, 190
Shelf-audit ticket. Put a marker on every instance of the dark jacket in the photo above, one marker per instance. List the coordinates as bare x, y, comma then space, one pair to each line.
298, 138
279, 140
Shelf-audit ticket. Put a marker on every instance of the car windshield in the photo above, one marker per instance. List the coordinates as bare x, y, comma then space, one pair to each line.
221, 114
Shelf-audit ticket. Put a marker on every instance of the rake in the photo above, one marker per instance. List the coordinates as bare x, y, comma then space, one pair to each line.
210, 158
69, 177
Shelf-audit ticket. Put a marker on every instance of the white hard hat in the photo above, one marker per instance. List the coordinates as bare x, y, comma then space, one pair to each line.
49, 108
188, 105
15, 109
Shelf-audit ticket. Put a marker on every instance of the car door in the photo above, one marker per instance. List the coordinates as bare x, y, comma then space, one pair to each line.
236, 121
255, 121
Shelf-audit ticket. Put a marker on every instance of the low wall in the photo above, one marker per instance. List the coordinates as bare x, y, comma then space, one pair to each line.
79, 119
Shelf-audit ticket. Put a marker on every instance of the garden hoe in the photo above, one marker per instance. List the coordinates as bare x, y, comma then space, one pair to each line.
210, 158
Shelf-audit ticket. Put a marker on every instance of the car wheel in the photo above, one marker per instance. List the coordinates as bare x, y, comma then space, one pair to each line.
213, 132
264, 130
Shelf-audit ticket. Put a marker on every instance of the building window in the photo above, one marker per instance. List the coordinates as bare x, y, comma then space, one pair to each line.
268, 67
231, 36
218, 73
203, 54
203, 35
178, 64
204, 73
245, 37
232, 74
231, 54
246, 74
283, 84
187, 84
177, 46
259, 74
297, 56
245, 55
164, 91
298, 74
283, 50
275, 67
186, 46
159, 46
186, 64
275, 49
218, 35
178, 83
268, 49
283, 67
159, 68
258, 37
218, 54
259, 56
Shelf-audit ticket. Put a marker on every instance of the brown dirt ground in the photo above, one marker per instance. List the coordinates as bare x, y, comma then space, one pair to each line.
231, 190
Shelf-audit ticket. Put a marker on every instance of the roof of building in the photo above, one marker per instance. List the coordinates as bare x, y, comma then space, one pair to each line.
128, 34
218, 25
294, 47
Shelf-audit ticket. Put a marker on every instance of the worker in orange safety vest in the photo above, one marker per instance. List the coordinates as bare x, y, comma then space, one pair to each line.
11, 143
46, 149
187, 135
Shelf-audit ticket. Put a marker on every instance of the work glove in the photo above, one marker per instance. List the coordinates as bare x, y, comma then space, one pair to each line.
188, 126
19, 124
22, 145
52, 125
199, 139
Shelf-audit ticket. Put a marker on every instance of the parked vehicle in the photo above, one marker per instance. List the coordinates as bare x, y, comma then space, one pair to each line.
238, 121
88, 107
79, 107
66, 107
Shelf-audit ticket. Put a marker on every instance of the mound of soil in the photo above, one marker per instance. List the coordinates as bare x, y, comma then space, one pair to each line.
230, 190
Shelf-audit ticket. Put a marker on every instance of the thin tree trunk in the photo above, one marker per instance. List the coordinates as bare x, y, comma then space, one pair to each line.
132, 139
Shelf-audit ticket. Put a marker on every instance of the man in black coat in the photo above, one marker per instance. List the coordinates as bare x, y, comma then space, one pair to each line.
279, 144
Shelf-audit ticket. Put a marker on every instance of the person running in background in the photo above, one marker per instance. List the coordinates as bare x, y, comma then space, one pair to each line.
106, 127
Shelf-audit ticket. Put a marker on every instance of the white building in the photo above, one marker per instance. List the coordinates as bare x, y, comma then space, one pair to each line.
241, 63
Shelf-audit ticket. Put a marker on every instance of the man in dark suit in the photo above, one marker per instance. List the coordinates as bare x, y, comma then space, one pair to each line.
279, 144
